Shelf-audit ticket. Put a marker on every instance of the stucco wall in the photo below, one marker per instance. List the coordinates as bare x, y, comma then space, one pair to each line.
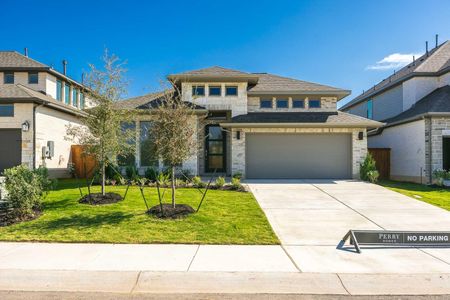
22, 112
359, 147
416, 88
51, 125
388, 104
407, 143
327, 103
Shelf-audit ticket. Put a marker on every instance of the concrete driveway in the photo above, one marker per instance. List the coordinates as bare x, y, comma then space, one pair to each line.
311, 216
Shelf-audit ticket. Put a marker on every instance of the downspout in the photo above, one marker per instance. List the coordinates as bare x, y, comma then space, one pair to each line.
34, 133
430, 149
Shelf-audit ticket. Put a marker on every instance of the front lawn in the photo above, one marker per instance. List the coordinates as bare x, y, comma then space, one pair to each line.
433, 195
226, 217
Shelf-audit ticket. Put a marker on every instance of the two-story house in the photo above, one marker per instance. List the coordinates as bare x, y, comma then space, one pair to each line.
414, 103
262, 126
36, 104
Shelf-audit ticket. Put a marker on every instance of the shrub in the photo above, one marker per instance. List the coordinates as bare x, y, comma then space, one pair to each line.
111, 171
132, 172
186, 174
237, 175
163, 179
367, 166
151, 174
373, 176
197, 181
236, 184
440, 175
26, 189
220, 182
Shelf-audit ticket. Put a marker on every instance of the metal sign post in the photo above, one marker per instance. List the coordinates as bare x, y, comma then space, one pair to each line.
396, 238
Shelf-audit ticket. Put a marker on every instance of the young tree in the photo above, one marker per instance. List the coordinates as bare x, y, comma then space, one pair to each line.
102, 134
173, 131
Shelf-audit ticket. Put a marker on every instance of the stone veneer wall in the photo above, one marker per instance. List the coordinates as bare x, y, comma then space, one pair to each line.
22, 112
434, 132
359, 147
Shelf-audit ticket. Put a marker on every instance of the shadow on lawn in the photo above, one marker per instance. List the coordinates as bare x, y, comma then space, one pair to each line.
81, 221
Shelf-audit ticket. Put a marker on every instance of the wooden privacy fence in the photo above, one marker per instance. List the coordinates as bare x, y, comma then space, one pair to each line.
82, 161
382, 158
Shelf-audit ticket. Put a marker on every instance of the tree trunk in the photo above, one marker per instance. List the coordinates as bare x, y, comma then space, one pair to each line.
173, 186
103, 178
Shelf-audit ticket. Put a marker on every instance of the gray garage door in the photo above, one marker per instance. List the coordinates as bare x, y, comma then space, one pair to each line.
10, 148
298, 155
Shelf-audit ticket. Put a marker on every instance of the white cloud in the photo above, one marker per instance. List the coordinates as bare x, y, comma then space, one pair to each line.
393, 61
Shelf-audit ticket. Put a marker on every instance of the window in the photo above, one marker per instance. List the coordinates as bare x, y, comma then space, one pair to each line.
33, 78
217, 115
128, 160
296, 103
58, 90
282, 103
369, 109
215, 91
8, 78
66, 94
147, 149
198, 90
81, 100
265, 103
7, 110
314, 103
231, 91
75, 97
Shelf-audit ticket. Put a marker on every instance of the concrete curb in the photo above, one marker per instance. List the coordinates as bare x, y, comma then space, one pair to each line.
135, 282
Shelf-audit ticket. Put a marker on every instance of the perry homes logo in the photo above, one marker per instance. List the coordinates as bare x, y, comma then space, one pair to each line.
402, 237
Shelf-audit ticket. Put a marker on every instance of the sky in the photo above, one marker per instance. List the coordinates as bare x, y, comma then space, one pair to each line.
346, 44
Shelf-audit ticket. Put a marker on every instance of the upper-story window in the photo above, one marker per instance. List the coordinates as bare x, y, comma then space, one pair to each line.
231, 91
66, 94
81, 100
282, 103
75, 97
59, 87
298, 103
369, 109
8, 78
198, 90
265, 103
7, 110
314, 103
33, 78
215, 90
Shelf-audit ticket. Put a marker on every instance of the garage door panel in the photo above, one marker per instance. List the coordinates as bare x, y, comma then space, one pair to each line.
298, 155
10, 148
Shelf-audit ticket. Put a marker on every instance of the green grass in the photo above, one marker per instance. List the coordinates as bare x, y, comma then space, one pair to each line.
226, 217
432, 195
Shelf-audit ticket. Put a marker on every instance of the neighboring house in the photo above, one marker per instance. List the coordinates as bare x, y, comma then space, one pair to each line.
36, 104
260, 125
415, 105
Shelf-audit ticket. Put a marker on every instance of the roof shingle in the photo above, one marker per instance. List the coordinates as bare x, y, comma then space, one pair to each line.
13, 59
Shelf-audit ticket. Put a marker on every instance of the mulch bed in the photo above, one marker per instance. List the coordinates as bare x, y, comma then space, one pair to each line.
99, 199
7, 220
169, 212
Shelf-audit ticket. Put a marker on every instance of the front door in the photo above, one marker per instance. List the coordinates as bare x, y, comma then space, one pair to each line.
215, 149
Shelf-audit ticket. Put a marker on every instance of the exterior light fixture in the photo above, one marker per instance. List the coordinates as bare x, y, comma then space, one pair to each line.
25, 126
360, 135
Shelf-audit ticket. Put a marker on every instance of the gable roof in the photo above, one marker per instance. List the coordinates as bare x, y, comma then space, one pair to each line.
13, 61
20, 93
436, 102
300, 119
269, 83
435, 63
